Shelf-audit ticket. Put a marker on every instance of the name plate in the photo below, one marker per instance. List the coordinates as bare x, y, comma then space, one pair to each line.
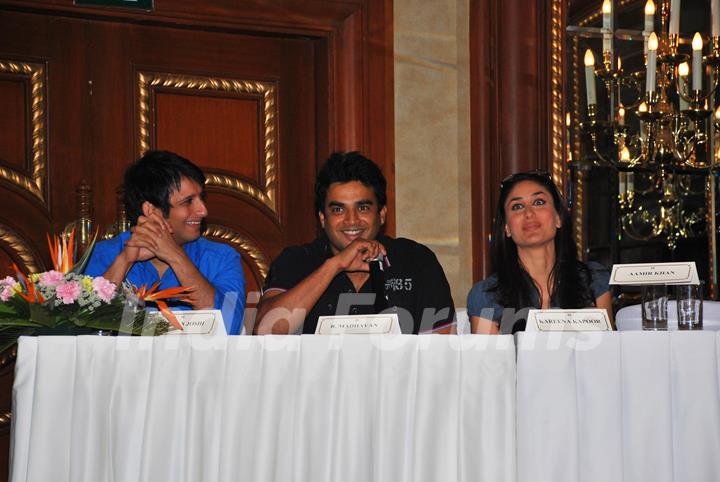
199, 322
383, 324
683, 273
588, 319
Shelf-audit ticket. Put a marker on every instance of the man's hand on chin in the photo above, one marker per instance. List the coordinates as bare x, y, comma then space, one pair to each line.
356, 255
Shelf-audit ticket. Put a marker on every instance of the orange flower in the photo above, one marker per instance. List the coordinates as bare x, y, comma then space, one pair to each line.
157, 297
61, 252
32, 295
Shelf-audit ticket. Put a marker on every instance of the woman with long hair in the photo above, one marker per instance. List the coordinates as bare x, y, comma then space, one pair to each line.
534, 260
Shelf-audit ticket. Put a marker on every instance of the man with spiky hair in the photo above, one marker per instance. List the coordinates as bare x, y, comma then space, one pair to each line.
165, 201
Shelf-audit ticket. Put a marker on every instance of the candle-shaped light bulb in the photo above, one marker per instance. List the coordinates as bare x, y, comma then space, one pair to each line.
619, 63
625, 154
567, 119
590, 77
717, 113
607, 25
683, 71
652, 41
649, 16
621, 115
642, 107
715, 17
651, 63
650, 8
697, 45
674, 17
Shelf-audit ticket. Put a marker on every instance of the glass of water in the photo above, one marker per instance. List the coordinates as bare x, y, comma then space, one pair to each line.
689, 306
654, 307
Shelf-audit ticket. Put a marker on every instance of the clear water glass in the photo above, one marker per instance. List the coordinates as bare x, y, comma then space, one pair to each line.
654, 307
689, 306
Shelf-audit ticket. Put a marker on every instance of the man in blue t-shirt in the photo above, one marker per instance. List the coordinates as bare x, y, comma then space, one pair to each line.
165, 202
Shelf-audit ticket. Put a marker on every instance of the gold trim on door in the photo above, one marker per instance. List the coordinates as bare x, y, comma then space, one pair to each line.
241, 243
264, 194
21, 249
35, 184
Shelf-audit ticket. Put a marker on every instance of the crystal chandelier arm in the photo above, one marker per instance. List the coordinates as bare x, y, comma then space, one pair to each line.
596, 150
633, 82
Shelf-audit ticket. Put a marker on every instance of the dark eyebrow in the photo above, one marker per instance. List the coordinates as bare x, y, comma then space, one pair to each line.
366, 201
519, 198
336, 203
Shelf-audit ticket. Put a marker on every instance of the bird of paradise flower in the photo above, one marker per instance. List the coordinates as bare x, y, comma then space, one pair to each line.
158, 297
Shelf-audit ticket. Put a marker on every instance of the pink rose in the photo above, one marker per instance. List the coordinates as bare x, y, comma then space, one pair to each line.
103, 288
6, 292
7, 281
51, 278
68, 292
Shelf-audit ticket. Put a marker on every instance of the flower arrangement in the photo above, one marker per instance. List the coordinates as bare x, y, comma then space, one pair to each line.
63, 301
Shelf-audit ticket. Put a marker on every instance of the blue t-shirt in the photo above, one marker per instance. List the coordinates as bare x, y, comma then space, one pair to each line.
482, 300
217, 262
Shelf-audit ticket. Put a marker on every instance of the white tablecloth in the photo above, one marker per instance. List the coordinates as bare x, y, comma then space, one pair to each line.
631, 406
435, 408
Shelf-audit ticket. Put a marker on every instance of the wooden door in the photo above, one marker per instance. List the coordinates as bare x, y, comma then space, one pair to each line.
256, 93
242, 107
43, 132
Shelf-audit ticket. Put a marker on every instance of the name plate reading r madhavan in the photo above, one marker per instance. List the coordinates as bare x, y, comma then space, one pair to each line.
655, 273
589, 319
383, 324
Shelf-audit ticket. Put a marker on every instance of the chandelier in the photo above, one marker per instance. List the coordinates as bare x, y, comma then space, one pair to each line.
654, 124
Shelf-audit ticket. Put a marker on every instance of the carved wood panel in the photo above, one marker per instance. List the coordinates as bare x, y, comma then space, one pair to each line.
257, 93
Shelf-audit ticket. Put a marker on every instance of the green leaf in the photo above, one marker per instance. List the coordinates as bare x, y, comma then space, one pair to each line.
18, 322
79, 267
40, 314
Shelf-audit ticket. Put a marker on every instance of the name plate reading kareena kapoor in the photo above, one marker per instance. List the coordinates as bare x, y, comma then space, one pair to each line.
684, 273
589, 319
384, 324
199, 322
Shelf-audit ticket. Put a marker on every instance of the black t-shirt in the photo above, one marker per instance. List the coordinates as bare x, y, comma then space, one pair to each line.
415, 284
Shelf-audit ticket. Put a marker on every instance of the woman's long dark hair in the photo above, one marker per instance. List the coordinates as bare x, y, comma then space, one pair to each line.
571, 278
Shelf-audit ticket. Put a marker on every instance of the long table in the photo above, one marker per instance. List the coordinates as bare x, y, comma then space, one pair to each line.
627, 406
297, 408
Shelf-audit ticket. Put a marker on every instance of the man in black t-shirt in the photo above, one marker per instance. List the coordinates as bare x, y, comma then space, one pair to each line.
330, 276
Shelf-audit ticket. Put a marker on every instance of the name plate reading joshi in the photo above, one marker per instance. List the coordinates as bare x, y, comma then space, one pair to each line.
590, 319
199, 322
383, 324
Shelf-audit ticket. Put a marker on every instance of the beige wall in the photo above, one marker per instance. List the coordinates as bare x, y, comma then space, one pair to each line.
432, 132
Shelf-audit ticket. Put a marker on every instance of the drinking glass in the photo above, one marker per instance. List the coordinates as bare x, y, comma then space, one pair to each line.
654, 307
689, 307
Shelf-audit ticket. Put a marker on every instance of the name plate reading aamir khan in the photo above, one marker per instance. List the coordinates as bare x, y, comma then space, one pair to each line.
199, 322
383, 324
589, 319
678, 273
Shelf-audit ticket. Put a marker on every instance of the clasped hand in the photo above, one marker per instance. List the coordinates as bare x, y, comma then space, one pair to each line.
356, 255
152, 237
